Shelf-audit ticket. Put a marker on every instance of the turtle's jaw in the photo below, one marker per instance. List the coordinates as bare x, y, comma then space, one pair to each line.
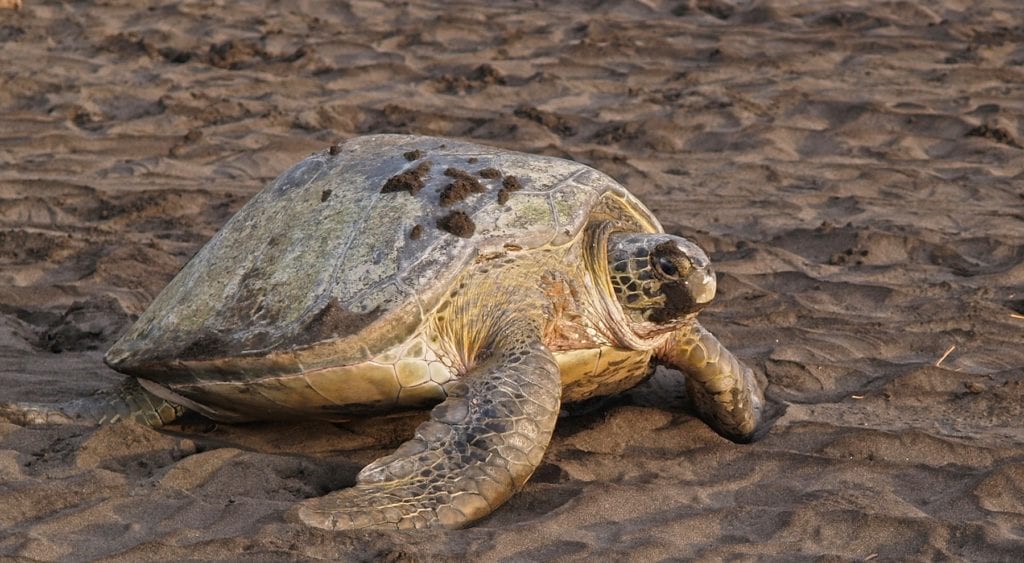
683, 297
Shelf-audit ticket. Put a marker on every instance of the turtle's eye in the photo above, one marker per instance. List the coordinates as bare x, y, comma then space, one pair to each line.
666, 267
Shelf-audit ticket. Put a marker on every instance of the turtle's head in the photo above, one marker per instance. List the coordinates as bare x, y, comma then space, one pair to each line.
659, 278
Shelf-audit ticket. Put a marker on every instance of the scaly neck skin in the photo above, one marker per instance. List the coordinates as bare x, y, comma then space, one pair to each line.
622, 328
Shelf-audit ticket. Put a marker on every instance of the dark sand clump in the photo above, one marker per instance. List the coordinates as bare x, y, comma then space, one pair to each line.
489, 173
508, 185
556, 123
457, 173
411, 181
459, 190
458, 224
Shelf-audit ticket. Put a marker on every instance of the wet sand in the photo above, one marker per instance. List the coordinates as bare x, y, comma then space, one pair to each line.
855, 170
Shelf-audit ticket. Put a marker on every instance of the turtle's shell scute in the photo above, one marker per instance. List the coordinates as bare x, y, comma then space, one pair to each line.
319, 269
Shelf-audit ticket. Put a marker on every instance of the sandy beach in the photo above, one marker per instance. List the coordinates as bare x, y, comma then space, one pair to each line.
855, 170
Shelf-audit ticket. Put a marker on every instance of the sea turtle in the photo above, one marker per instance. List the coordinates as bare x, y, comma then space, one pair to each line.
395, 272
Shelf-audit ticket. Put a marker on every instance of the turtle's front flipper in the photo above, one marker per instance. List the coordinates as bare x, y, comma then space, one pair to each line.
127, 401
723, 390
479, 446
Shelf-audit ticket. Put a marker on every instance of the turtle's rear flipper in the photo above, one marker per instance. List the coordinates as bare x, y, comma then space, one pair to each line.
479, 447
128, 401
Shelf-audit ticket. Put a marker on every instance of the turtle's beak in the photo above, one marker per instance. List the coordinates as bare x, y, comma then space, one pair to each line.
702, 285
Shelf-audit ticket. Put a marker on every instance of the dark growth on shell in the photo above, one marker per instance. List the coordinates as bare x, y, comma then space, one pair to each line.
416, 232
508, 185
325, 195
459, 190
334, 149
413, 155
409, 181
489, 173
453, 172
334, 320
472, 160
511, 183
458, 224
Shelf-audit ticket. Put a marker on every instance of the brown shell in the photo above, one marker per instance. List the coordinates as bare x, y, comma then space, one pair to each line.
319, 268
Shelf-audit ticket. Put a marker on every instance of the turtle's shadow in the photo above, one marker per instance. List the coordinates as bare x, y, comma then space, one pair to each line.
363, 440
304, 437
338, 451
664, 390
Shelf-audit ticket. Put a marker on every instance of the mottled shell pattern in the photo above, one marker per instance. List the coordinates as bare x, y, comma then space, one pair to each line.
345, 254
